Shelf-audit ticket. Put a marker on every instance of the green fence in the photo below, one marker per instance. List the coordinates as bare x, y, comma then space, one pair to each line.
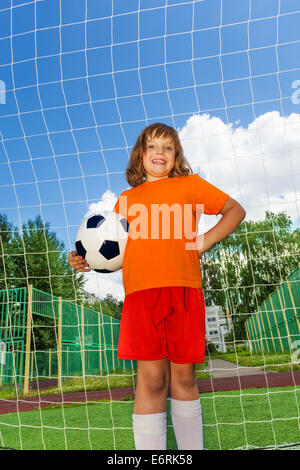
86, 341
12, 336
89, 342
275, 326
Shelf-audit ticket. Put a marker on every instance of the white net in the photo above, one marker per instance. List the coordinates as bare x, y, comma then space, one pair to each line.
79, 81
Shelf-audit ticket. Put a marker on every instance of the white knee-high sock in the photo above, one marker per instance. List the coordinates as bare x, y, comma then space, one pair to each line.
150, 431
187, 424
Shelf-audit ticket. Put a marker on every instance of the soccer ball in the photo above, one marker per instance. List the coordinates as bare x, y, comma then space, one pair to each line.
101, 240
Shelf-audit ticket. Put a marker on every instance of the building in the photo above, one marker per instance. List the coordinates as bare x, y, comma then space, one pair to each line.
87, 297
217, 325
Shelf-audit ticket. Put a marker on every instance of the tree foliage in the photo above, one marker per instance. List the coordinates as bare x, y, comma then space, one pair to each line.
108, 306
36, 256
241, 270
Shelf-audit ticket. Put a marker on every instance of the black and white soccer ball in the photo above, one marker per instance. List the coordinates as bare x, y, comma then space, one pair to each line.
101, 240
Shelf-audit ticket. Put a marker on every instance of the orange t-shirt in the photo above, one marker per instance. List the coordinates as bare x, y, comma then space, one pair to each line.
163, 219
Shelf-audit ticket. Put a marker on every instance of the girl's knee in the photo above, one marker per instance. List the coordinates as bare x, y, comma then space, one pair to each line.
155, 383
185, 381
155, 379
183, 375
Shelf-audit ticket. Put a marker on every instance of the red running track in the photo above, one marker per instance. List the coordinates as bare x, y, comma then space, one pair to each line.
270, 379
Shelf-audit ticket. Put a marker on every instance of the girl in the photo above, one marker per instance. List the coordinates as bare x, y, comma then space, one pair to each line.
163, 317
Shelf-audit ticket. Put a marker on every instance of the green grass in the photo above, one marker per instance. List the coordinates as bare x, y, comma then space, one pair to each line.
234, 419
277, 362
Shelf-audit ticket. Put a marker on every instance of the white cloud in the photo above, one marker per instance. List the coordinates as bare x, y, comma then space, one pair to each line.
106, 203
258, 166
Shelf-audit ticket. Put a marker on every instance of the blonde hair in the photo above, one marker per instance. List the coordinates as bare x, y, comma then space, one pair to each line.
135, 172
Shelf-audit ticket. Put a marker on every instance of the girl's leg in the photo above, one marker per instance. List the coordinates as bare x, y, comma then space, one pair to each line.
152, 386
149, 417
185, 407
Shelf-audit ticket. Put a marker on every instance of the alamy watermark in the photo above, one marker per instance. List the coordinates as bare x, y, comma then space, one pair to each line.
164, 221
296, 94
2, 92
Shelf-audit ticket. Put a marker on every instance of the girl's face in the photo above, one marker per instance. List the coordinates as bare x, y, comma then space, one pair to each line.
159, 157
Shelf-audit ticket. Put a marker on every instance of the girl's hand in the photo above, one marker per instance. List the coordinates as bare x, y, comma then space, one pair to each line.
77, 262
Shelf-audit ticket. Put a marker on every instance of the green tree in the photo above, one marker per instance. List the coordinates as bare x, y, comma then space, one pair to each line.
39, 258
7, 231
243, 269
114, 305
36, 256
108, 306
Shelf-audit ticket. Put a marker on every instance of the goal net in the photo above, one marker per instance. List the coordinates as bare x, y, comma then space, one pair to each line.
79, 81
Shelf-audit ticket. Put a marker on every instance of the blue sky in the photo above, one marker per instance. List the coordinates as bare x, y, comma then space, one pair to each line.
83, 78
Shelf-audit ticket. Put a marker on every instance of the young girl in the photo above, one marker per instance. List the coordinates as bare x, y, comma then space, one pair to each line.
163, 317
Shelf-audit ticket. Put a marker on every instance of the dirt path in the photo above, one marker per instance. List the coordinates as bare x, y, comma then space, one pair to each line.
220, 368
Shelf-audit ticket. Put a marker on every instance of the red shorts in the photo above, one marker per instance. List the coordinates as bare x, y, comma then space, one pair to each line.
163, 322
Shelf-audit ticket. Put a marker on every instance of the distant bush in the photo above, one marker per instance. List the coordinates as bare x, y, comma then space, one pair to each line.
211, 349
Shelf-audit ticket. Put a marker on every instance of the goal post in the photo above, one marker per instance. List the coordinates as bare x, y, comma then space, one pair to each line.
28, 341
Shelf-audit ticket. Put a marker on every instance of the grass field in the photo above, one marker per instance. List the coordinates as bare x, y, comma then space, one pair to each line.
236, 419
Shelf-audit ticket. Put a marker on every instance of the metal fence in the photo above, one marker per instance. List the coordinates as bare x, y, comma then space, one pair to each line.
275, 325
12, 335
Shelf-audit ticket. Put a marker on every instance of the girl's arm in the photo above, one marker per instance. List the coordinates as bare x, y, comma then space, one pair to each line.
232, 215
